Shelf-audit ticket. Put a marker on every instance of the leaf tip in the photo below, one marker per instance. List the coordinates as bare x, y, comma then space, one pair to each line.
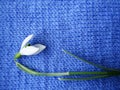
63, 50
60, 79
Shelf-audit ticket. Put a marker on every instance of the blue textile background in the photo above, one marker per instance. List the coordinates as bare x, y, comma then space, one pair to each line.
87, 28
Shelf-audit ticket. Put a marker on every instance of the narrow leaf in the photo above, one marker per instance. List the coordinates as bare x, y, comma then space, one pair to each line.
96, 65
87, 78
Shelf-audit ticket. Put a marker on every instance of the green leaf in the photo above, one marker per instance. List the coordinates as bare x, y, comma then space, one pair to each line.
87, 78
95, 73
96, 65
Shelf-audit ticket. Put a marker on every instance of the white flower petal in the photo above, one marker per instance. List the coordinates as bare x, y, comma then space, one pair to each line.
29, 50
26, 40
41, 48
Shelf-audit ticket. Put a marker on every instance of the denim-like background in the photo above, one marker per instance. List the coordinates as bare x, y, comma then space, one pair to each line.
87, 28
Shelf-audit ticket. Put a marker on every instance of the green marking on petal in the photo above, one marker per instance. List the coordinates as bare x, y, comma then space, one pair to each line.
27, 45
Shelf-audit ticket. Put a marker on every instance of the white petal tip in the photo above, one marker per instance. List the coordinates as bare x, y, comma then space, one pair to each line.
31, 35
41, 48
26, 40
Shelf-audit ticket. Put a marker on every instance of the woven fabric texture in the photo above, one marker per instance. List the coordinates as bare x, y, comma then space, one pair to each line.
87, 28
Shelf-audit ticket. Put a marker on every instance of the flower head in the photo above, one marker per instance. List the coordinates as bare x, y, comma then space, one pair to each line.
27, 49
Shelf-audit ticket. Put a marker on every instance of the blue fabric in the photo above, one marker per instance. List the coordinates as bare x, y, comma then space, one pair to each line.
87, 28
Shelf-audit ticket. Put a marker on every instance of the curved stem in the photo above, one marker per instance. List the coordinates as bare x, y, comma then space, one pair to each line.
22, 67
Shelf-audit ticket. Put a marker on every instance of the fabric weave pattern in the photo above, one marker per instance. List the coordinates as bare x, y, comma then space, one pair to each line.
87, 28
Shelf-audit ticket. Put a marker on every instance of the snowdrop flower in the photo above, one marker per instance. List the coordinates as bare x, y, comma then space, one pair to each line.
28, 50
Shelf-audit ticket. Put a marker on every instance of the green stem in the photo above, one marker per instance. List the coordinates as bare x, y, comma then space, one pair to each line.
22, 67
87, 78
17, 55
112, 72
95, 73
96, 65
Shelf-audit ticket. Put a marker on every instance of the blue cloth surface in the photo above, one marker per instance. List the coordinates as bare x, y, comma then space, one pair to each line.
88, 28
